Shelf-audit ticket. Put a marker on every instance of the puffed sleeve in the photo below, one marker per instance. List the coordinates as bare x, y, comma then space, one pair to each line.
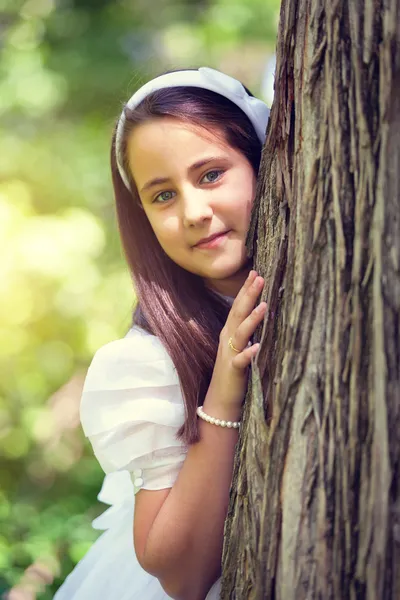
132, 408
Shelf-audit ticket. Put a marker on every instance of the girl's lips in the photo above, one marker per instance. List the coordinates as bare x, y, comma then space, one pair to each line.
214, 243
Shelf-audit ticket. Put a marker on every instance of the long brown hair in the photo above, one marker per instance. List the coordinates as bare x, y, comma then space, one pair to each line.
172, 303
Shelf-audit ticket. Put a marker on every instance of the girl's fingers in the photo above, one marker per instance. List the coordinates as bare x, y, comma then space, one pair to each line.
244, 303
249, 325
241, 339
244, 318
250, 278
242, 360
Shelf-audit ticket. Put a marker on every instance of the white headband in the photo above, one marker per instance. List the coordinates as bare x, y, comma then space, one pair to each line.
208, 79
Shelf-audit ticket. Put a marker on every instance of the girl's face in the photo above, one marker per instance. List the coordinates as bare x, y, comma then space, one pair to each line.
192, 185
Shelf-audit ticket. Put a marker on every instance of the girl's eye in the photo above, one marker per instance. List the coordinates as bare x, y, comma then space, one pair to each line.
213, 175
164, 196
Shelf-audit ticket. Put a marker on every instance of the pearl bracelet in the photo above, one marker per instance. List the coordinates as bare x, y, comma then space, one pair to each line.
214, 421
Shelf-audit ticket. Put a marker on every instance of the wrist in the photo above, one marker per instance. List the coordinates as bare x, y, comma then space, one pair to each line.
214, 407
215, 421
227, 391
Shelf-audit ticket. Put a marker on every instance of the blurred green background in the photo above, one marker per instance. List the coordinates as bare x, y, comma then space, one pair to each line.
66, 66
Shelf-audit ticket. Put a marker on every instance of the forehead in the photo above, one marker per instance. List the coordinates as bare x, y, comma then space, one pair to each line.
167, 139
172, 126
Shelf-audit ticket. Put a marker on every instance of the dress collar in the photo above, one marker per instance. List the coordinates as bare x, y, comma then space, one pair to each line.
228, 299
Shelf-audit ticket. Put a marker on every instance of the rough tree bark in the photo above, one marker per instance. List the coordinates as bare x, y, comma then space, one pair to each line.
315, 501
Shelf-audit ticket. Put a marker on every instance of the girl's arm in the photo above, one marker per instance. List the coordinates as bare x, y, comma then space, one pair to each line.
179, 532
180, 542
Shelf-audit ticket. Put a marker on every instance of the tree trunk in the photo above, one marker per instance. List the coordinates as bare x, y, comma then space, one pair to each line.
315, 501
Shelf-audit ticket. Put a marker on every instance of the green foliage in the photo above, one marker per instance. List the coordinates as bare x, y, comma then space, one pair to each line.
65, 68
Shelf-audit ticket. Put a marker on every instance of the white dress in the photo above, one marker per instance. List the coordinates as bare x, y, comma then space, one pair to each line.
131, 408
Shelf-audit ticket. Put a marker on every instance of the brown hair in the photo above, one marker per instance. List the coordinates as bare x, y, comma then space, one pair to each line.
172, 303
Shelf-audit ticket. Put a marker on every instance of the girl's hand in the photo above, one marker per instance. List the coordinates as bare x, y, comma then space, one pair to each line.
230, 370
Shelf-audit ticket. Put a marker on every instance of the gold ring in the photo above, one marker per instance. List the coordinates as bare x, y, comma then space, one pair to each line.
232, 346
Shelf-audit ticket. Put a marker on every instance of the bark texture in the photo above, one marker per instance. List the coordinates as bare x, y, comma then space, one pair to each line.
315, 501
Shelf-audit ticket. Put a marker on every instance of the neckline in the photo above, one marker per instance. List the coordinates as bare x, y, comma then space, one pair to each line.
229, 299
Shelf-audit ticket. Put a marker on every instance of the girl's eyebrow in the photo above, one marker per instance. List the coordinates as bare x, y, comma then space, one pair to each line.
193, 167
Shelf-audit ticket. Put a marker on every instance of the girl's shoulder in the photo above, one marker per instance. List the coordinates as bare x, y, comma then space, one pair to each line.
132, 406
138, 359
137, 344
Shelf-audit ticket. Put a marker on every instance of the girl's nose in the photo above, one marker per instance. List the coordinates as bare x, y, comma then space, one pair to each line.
196, 207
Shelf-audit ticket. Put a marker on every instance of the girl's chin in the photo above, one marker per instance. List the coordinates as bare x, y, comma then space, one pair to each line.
225, 266
233, 272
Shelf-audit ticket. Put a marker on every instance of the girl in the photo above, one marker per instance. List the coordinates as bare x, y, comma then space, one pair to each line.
162, 406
